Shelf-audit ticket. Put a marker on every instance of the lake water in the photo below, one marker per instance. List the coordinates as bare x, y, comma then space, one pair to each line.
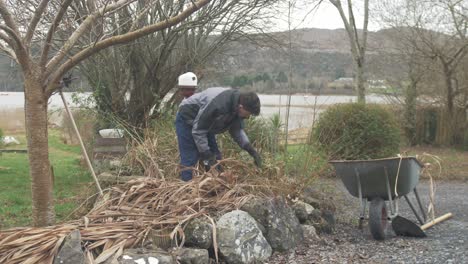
304, 108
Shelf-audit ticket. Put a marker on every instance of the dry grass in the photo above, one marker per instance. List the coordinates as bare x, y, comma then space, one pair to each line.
12, 120
297, 136
85, 121
446, 163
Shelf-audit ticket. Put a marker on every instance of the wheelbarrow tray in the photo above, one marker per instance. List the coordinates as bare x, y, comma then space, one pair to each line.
371, 176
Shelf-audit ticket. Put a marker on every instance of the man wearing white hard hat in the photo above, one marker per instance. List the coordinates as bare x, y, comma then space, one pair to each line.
187, 83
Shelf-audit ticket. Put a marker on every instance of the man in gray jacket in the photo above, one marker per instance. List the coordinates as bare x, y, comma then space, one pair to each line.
205, 114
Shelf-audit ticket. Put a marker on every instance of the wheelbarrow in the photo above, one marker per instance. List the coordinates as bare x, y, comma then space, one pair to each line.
385, 180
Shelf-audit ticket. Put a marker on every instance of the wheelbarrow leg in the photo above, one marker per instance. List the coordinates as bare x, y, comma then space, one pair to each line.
362, 202
363, 213
416, 194
414, 210
389, 193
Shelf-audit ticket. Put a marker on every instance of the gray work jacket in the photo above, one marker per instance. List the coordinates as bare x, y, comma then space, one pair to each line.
214, 111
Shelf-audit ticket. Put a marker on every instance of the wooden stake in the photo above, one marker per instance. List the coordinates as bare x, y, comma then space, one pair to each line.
90, 166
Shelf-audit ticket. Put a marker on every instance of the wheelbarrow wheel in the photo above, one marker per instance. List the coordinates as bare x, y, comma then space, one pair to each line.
378, 218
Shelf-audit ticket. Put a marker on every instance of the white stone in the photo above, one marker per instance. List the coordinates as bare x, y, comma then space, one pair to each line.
140, 261
9, 140
153, 260
111, 133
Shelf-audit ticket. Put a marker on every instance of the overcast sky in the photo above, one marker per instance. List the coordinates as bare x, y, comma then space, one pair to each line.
326, 16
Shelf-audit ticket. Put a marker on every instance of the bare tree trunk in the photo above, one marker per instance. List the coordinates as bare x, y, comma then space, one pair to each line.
449, 87
451, 116
360, 81
358, 44
410, 112
39, 164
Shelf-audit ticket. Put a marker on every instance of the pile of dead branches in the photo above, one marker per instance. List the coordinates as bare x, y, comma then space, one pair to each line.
128, 213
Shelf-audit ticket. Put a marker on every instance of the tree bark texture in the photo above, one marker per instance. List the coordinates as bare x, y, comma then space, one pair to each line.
449, 88
410, 112
360, 81
358, 44
38, 152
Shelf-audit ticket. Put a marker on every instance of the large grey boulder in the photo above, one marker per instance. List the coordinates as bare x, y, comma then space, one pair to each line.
191, 256
240, 240
199, 234
146, 256
283, 230
71, 251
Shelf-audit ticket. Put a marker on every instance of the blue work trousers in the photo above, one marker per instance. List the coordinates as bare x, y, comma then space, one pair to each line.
189, 155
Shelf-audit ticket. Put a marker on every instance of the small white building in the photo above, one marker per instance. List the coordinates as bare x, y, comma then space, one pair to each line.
377, 84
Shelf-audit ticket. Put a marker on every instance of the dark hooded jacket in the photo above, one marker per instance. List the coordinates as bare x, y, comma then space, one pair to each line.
214, 111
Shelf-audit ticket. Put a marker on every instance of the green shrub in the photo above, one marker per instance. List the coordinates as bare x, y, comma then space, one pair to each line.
357, 131
305, 160
264, 134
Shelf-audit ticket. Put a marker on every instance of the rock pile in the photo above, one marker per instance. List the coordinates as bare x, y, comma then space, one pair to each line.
248, 235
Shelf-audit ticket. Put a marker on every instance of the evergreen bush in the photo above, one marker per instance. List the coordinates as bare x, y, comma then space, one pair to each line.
357, 131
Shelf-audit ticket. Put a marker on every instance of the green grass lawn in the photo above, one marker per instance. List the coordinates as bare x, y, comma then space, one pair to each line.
71, 180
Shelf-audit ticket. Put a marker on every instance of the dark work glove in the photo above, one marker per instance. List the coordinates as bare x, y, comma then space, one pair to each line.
252, 152
257, 160
208, 159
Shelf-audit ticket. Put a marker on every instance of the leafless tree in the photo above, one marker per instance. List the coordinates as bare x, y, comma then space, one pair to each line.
432, 37
441, 34
357, 42
147, 69
402, 63
29, 29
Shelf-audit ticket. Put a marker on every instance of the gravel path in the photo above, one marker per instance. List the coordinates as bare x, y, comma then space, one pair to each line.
447, 242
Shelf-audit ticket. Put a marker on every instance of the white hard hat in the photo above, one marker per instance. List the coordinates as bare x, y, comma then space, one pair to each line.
188, 79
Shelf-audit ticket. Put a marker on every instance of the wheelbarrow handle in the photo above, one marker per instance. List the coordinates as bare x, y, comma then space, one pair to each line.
436, 221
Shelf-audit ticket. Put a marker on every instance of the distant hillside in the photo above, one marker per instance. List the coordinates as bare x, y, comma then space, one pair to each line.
318, 57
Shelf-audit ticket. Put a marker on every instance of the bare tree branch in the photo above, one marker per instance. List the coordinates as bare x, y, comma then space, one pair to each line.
14, 37
120, 39
7, 17
20, 53
11, 29
365, 28
34, 21
87, 23
9, 52
357, 48
50, 33
339, 7
7, 39
353, 27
